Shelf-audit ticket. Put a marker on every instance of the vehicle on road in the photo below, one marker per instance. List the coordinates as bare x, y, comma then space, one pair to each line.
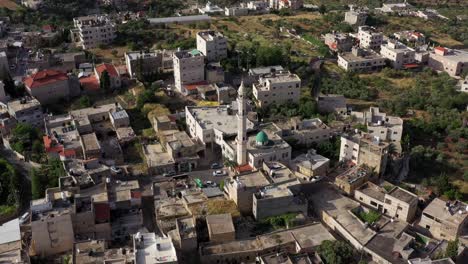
219, 173
216, 166
316, 178
169, 174
211, 184
115, 169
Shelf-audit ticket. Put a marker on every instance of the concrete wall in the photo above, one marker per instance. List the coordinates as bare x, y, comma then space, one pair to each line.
53, 235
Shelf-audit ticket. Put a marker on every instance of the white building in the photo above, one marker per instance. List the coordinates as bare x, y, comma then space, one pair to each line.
280, 4
236, 11
277, 88
212, 44
396, 7
338, 41
4, 66
380, 125
464, 85
369, 38
258, 5
452, 61
27, 110
356, 17
210, 9
364, 149
189, 68
361, 60
152, 249
398, 54
91, 31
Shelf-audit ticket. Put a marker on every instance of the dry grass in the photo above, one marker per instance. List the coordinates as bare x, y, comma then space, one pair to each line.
207, 103
8, 4
107, 56
216, 206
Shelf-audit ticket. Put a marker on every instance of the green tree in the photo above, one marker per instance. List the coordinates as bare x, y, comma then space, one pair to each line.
452, 249
105, 83
37, 189
322, 9
336, 252
84, 102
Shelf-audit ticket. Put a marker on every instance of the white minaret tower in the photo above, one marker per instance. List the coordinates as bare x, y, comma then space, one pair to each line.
241, 127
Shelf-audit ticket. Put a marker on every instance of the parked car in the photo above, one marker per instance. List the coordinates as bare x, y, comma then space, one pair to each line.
219, 173
216, 166
316, 178
115, 169
169, 174
211, 184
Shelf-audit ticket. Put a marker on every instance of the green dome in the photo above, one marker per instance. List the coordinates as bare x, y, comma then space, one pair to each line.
261, 138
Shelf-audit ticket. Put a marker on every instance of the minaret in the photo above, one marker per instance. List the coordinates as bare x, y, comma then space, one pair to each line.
241, 127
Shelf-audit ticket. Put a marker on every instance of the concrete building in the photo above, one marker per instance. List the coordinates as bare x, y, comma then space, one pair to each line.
183, 150
144, 63
452, 61
236, 11
241, 189
98, 251
464, 85
311, 164
298, 240
212, 44
356, 17
210, 9
303, 132
445, 220
114, 76
277, 88
339, 42
364, 149
158, 160
258, 5
220, 228
389, 128
361, 60
332, 103
369, 38
51, 226
49, 86
186, 234
278, 199
189, 68
149, 248
211, 125
4, 66
397, 203
27, 111
398, 54
403, 8
91, 31
352, 178
11, 246
280, 4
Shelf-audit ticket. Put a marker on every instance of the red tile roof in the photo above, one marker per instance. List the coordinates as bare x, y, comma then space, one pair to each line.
107, 67
193, 86
47, 142
244, 168
136, 195
48, 28
68, 153
441, 49
45, 77
90, 83
102, 212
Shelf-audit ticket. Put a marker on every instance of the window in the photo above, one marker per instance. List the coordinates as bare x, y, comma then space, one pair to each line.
373, 203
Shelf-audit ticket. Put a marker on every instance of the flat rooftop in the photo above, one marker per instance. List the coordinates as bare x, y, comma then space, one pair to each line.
220, 224
367, 55
218, 117
403, 195
156, 156
311, 235
252, 179
329, 201
23, 104
265, 70
353, 174
186, 227
210, 35
373, 191
170, 208
232, 247
311, 160
438, 209
133, 55
10, 231
277, 190
82, 116
151, 249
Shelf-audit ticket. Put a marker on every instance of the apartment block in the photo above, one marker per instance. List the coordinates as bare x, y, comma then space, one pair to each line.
189, 68
339, 42
150, 248
241, 189
364, 149
49, 86
451, 61
311, 164
445, 220
91, 31
148, 62
278, 199
398, 54
26, 110
369, 38
397, 203
356, 17
236, 11
303, 132
332, 103
277, 88
220, 228
379, 124
212, 44
361, 60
